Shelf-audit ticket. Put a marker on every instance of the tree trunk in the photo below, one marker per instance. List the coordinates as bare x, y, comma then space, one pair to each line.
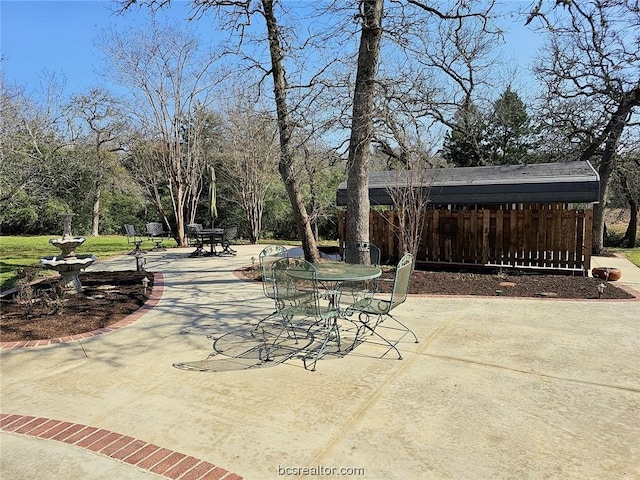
612, 134
285, 165
95, 222
358, 165
631, 234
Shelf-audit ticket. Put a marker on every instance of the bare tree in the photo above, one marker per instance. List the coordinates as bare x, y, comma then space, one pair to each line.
410, 197
358, 163
236, 16
35, 132
106, 123
170, 80
445, 57
627, 183
250, 158
592, 81
425, 45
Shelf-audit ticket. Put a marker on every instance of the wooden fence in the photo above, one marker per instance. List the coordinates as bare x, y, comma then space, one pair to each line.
549, 236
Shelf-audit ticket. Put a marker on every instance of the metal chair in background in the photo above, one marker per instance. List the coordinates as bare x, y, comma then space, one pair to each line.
133, 237
156, 233
192, 234
298, 304
360, 252
374, 311
229, 238
194, 239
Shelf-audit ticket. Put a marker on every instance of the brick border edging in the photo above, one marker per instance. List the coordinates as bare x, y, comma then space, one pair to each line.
126, 449
152, 301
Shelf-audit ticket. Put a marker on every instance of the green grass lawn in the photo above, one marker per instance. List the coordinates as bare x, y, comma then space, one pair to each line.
16, 253
632, 254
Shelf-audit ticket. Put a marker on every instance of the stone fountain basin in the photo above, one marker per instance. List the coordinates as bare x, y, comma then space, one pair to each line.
67, 245
68, 264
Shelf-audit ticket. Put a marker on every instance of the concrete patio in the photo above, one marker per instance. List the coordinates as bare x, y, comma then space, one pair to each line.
497, 388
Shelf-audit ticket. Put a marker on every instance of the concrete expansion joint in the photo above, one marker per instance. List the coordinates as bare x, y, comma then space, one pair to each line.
533, 372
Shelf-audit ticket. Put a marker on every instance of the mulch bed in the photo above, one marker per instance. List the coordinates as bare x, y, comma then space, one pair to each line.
515, 284
40, 312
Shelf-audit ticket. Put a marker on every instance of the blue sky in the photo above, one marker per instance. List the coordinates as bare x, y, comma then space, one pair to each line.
58, 37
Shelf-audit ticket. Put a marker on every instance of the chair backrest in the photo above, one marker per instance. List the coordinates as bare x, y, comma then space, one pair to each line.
194, 228
295, 295
362, 252
192, 233
230, 234
401, 281
129, 230
267, 256
155, 229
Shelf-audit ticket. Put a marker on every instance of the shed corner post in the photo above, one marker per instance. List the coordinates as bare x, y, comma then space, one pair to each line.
588, 239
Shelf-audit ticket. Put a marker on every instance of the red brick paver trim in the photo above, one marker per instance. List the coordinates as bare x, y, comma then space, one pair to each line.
154, 298
120, 448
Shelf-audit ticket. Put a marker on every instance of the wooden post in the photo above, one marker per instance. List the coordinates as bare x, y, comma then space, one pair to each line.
588, 239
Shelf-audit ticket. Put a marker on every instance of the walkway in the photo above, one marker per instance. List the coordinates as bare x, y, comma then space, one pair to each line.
497, 388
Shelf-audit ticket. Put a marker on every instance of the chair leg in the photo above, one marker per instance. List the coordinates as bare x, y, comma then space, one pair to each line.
272, 314
137, 248
365, 322
158, 247
404, 327
320, 351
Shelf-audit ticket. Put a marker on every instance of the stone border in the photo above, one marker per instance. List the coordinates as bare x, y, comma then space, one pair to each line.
152, 301
137, 453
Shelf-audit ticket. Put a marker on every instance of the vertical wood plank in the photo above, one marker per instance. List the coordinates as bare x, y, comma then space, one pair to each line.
499, 236
579, 244
486, 221
435, 241
513, 236
528, 237
557, 235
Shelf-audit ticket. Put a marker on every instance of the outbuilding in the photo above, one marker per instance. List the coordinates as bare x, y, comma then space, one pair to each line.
532, 216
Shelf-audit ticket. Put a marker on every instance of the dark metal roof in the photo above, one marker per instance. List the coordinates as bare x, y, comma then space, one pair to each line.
565, 182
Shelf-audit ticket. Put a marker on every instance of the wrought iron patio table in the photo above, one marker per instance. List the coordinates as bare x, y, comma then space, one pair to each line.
332, 275
213, 235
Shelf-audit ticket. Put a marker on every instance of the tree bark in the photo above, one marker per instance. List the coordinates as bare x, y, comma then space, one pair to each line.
611, 135
285, 165
631, 233
95, 220
358, 164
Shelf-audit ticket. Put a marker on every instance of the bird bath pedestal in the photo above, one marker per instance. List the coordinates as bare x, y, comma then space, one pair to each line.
68, 264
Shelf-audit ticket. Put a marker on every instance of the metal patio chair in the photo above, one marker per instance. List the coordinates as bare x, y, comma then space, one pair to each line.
267, 256
300, 310
229, 238
373, 311
156, 233
366, 253
133, 237
194, 239
365, 250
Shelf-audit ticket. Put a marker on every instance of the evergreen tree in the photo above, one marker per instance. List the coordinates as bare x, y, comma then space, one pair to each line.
508, 134
503, 137
463, 145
